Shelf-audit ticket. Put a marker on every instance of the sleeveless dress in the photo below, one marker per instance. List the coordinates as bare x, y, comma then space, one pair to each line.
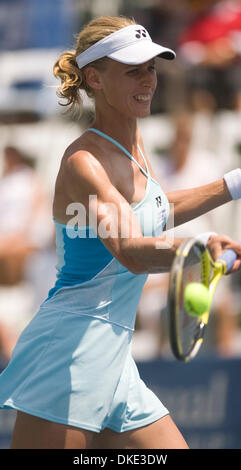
72, 364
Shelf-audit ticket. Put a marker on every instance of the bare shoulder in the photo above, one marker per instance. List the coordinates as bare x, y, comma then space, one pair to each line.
80, 174
85, 153
82, 164
84, 168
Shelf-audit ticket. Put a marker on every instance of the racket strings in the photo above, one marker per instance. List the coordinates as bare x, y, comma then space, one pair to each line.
188, 326
191, 264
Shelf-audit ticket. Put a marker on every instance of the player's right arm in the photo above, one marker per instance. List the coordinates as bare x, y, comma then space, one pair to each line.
87, 182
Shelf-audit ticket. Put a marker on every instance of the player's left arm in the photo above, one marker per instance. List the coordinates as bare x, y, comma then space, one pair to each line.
194, 202
188, 204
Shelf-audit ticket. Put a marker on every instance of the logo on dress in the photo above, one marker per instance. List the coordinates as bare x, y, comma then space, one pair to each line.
158, 201
141, 33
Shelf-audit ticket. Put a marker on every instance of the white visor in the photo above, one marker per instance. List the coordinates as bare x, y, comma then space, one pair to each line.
131, 45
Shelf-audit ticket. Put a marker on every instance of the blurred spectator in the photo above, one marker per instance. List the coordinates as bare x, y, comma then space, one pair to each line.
25, 228
211, 45
185, 166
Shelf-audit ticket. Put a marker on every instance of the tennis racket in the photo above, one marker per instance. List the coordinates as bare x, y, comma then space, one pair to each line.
193, 263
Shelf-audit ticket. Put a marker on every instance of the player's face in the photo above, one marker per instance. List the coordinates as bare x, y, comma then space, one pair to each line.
129, 89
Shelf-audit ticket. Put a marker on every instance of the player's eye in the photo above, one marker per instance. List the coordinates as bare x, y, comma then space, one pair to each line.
132, 72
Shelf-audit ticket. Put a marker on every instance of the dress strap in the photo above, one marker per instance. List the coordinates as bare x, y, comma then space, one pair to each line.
142, 154
102, 134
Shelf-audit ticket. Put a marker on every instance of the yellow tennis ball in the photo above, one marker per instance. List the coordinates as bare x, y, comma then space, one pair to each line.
196, 298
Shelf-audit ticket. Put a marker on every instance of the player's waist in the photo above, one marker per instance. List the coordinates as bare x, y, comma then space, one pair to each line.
112, 296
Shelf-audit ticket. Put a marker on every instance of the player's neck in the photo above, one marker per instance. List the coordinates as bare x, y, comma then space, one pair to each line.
125, 131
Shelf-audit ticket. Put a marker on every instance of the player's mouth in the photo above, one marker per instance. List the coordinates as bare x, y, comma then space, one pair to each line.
143, 98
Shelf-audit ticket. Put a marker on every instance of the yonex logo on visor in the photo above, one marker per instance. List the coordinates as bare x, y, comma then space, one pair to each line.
141, 33
130, 45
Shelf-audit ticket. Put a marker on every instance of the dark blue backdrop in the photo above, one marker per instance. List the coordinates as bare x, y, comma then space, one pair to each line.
203, 397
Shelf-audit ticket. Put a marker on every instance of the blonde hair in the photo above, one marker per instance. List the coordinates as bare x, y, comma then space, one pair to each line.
66, 68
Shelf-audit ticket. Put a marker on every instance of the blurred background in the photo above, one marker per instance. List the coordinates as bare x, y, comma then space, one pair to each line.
192, 137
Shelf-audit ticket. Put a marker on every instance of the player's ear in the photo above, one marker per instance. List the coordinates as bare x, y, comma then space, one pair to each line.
93, 78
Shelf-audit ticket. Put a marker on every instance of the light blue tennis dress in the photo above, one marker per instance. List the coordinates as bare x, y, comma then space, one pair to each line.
73, 364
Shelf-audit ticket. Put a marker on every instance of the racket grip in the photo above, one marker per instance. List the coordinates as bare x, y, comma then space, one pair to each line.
229, 256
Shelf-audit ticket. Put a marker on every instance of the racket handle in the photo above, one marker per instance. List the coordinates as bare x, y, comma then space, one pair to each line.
229, 256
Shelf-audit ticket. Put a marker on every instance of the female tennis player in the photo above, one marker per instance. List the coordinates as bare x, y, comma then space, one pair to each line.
72, 377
